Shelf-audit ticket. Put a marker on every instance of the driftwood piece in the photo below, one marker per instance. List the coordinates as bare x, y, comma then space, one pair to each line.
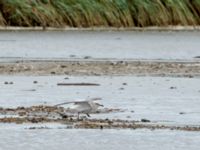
78, 84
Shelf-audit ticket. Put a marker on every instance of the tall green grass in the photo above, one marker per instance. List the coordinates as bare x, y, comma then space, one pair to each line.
89, 13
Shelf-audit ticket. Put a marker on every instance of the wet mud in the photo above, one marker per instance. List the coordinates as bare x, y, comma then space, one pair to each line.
52, 114
126, 67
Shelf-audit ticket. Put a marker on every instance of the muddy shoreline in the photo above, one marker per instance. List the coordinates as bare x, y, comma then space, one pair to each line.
98, 68
52, 114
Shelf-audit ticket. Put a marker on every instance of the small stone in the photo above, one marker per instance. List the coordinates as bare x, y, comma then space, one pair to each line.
121, 88
53, 72
113, 63
87, 57
35, 82
21, 108
182, 113
172, 87
32, 128
32, 90
5, 82
145, 120
63, 66
11, 82
124, 83
64, 116
72, 56
190, 76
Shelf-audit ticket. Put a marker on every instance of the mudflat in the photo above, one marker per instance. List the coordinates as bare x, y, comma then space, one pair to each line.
102, 67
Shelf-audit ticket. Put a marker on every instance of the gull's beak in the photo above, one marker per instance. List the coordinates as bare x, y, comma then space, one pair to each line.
101, 105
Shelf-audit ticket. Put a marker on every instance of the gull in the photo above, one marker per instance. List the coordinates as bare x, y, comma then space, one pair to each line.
84, 107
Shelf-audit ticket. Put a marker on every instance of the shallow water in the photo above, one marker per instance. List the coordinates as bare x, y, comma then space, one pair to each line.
17, 139
118, 45
159, 99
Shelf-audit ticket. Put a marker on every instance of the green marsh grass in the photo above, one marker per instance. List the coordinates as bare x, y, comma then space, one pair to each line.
99, 13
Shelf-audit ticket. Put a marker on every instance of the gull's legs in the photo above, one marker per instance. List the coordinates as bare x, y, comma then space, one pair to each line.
78, 116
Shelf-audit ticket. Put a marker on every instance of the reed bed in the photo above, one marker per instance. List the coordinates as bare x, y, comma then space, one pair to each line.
99, 13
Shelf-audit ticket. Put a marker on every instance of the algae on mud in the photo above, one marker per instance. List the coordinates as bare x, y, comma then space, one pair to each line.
88, 13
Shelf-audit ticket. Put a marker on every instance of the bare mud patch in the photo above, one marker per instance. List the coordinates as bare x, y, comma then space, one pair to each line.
102, 67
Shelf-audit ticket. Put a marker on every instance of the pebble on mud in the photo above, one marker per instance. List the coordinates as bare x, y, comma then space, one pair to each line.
197, 57
35, 82
191, 76
72, 56
63, 66
6, 82
182, 113
173, 87
87, 57
145, 120
53, 72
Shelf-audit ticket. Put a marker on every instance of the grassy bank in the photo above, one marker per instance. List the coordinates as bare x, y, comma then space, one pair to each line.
89, 13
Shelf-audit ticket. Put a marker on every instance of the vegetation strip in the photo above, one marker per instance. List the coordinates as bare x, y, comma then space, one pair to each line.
107, 13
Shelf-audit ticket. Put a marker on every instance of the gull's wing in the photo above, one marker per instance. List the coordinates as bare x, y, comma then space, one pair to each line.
79, 102
61, 104
75, 102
